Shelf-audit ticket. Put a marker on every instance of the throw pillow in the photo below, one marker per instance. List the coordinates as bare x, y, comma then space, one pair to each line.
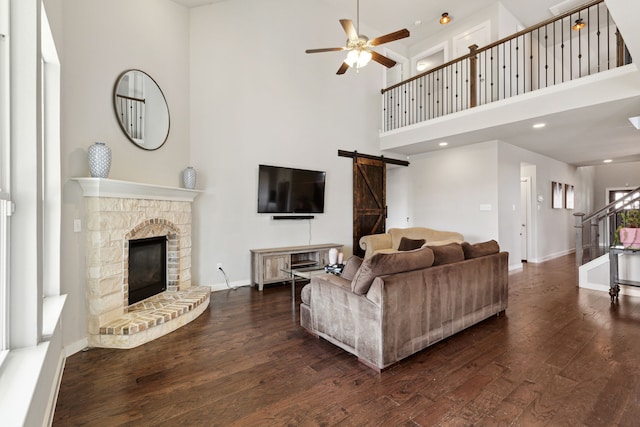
447, 254
351, 267
407, 244
480, 249
381, 264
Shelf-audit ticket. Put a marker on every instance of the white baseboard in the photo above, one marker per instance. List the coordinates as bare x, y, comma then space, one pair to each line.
223, 286
514, 268
631, 291
551, 256
53, 396
75, 347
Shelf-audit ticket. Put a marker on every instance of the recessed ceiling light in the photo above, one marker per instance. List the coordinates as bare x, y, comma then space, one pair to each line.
539, 125
607, 161
417, 23
443, 144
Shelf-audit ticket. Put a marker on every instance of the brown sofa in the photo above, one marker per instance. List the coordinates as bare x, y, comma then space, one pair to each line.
397, 304
390, 241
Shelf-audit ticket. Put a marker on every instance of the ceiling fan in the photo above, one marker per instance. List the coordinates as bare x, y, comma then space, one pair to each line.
360, 47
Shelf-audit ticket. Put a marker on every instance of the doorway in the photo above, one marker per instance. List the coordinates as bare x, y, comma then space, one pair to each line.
525, 217
430, 59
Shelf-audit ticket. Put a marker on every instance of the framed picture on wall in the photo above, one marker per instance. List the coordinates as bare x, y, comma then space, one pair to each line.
568, 196
556, 195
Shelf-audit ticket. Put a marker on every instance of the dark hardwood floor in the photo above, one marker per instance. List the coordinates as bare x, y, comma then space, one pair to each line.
562, 356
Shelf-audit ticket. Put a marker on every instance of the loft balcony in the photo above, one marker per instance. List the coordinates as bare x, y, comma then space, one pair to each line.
549, 68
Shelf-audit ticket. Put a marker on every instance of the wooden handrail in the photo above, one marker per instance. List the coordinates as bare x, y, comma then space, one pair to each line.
497, 43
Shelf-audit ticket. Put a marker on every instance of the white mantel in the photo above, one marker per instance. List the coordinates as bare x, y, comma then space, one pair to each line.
105, 187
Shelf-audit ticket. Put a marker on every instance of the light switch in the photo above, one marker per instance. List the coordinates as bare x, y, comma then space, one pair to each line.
77, 226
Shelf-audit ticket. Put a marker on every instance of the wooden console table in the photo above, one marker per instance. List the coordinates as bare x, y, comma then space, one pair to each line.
614, 280
270, 265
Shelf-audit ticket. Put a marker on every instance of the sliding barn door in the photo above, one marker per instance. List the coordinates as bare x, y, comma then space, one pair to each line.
369, 199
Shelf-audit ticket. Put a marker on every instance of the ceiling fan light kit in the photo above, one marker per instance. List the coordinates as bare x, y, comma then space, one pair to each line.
358, 58
359, 47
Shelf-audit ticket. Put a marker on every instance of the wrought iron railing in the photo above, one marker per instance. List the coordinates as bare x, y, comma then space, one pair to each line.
595, 233
541, 56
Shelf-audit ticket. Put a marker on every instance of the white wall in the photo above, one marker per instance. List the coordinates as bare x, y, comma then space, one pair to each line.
447, 188
96, 41
398, 197
475, 190
457, 27
256, 97
552, 229
614, 175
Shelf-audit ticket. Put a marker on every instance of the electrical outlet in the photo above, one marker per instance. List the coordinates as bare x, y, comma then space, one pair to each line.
219, 266
77, 226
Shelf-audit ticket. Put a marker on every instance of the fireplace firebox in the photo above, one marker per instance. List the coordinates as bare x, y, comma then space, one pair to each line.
147, 268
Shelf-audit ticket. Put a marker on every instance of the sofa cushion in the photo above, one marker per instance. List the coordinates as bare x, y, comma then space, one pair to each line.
407, 244
480, 249
305, 294
351, 267
447, 254
382, 264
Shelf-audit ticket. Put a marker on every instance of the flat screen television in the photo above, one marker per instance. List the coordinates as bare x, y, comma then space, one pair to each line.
288, 190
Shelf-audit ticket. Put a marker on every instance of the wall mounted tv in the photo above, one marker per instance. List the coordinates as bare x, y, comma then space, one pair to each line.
288, 190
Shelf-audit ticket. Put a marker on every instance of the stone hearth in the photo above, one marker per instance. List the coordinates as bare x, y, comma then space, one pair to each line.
117, 211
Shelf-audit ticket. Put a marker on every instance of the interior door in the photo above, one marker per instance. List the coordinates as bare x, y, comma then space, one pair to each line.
369, 199
525, 197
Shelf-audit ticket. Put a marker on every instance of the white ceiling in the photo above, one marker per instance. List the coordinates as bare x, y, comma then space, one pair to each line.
602, 131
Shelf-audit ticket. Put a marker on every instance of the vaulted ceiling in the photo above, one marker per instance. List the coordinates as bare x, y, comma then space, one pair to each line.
604, 129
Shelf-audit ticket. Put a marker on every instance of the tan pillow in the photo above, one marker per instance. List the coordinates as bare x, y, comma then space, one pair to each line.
407, 244
351, 267
446, 254
381, 264
480, 249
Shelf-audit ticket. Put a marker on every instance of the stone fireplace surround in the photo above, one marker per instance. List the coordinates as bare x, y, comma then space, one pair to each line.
116, 212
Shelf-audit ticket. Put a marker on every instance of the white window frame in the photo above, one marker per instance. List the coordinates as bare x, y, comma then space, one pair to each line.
5, 201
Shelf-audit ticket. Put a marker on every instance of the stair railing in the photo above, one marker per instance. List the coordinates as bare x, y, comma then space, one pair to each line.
540, 56
595, 233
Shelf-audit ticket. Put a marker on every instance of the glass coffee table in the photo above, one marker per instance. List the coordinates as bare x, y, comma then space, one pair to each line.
302, 273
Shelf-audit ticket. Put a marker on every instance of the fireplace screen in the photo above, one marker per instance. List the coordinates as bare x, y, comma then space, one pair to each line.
147, 268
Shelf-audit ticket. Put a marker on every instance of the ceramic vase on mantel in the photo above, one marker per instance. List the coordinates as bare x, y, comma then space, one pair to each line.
189, 177
99, 160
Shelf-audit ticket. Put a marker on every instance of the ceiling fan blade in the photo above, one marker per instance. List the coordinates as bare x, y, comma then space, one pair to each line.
349, 29
397, 35
327, 49
381, 59
343, 68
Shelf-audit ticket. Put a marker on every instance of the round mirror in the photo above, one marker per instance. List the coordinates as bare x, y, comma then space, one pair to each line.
141, 109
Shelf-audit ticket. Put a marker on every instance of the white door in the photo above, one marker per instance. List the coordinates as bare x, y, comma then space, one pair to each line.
525, 197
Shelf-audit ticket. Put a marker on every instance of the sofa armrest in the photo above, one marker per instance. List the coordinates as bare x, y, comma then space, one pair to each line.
373, 242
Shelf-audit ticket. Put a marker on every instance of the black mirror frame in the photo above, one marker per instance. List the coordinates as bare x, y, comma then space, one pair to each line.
122, 125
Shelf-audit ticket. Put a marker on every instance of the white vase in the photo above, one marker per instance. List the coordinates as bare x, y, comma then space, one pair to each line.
189, 177
99, 156
333, 256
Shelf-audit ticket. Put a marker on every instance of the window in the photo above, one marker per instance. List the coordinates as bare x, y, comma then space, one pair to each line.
5, 203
